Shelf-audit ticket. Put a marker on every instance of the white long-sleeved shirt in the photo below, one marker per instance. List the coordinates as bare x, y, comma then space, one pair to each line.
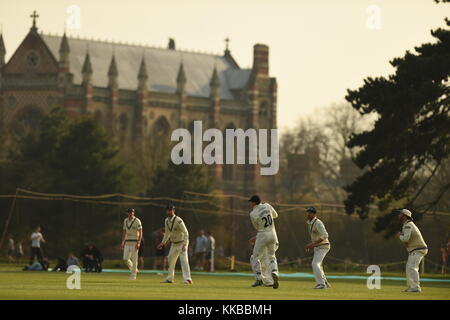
176, 231
317, 231
262, 217
412, 237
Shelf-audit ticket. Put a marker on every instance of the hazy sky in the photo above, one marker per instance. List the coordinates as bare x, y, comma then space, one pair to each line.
318, 49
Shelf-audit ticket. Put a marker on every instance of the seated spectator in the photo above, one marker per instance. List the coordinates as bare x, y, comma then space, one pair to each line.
61, 265
72, 260
38, 266
64, 264
92, 258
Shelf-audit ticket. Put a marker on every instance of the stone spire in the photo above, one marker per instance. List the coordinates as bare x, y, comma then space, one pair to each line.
181, 79
64, 51
215, 83
2, 51
142, 75
113, 73
87, 69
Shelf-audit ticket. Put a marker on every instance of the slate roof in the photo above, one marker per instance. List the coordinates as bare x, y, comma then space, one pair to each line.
162, 66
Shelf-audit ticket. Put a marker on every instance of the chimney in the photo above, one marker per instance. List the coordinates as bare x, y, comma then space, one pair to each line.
171, 45
261, 59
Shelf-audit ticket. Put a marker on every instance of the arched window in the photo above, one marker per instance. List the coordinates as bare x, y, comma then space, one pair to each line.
158, 142
264, 109
161, 127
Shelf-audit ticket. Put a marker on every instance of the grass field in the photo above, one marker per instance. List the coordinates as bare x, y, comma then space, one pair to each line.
15, 284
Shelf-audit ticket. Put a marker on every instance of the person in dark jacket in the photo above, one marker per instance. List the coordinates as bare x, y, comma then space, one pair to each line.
92, 258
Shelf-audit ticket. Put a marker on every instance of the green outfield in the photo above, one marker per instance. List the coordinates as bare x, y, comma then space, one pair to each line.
15, 284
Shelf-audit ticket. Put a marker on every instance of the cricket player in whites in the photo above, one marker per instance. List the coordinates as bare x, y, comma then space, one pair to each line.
417, 249
178, 235
131, 240
321, 245
266, 242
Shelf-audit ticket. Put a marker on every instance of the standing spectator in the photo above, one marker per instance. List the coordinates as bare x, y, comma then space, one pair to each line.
19, 250
160, 261
448, 254
141, 255
211, 247
92, 258
443, 255
201, 243
36, 239
10, 249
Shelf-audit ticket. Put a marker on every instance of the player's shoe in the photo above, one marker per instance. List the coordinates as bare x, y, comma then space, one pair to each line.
166, 281
257, 283
132, 276
188, 281
275, 280
413, 290
320, 286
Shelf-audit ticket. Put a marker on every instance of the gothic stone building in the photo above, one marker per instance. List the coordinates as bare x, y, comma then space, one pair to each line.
137, 92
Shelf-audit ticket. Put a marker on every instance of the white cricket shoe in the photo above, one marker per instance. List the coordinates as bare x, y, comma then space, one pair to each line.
320, 286
189, 281
132, 276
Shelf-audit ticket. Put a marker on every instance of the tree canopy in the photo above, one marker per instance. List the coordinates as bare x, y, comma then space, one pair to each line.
410, 140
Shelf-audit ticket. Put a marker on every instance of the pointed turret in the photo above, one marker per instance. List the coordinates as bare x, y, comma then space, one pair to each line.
64, 51
181, 80
87, 69
2, 51
113, 73
214, 83
142, 75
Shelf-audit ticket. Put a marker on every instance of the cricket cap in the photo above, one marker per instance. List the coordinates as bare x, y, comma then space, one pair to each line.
130, 210
170, 207
256, 199
311, 209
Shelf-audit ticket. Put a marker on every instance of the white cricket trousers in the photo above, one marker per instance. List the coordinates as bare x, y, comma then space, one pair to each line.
130, 256
266, 245
412, 268
175, 252
319, 254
